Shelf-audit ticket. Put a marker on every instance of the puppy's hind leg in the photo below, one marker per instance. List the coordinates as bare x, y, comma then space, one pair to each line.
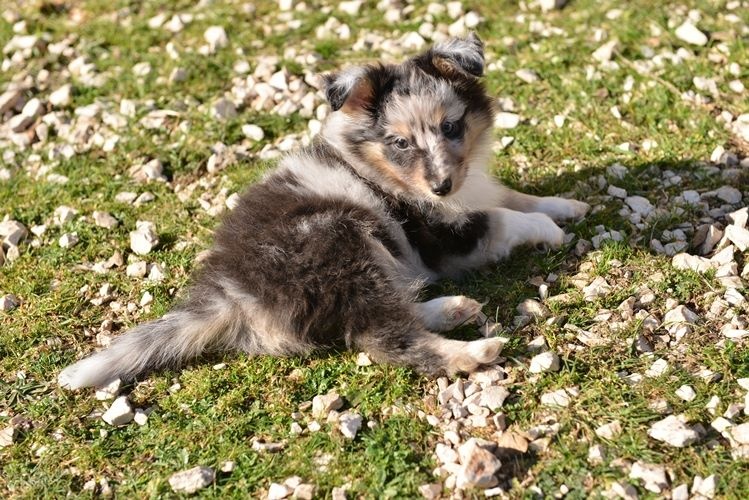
412, 345
446, 313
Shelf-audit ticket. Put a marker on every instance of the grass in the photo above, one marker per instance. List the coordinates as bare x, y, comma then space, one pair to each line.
215, 415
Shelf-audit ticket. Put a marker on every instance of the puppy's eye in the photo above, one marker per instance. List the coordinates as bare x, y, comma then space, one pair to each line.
401, 143
451, 130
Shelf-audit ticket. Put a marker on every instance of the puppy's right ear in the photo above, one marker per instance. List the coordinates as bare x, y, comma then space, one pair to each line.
350, 90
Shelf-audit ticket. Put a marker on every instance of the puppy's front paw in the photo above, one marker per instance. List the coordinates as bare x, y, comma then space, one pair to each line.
546, 232
562, 208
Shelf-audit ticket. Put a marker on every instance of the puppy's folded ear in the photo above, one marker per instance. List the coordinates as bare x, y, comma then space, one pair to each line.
458, 57
351, 90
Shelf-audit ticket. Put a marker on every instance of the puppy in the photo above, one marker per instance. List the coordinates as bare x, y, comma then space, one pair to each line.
332, 248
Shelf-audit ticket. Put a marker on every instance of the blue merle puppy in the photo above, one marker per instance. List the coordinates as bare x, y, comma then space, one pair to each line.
333, 247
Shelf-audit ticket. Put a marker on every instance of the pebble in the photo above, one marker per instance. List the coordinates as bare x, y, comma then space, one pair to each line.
612, 430
559, 398
653, 476
689, 33
105, 220
191, 480
120, 413
108, 391
544, 362
639, 205
278, 491
527, 75
493, 397
704, 487
9, 302
596, 289
68, 240
673, 431
253, 132
349, 424
324, 404
478, 466
144, 238
506, 120
216, 38
62, 97
223, 109
686, 393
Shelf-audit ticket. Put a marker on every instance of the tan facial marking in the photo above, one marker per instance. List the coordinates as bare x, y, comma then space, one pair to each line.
376, 159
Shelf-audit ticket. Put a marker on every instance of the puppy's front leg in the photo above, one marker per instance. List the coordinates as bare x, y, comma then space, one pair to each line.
553, 206
506, 230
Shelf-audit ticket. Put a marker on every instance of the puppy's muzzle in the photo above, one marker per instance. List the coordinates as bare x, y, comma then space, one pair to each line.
442, 188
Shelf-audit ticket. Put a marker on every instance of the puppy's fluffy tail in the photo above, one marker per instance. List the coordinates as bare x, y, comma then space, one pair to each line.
166, 342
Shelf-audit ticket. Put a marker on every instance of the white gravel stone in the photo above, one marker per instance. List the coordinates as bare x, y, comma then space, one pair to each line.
324, 404
62, 97
478, 466
544, 362
527, 75
680, 492
506, 120
653, 476
9, 302
533, 309
108, 391
616, 192
141, 417
120, 413
349, 424
223, 109
68, 240
741, 433
605, 52
612, 430
549, 5
493, 397
686, 393
704, 487
640, 205
689, 33
729, 194
673, 431
362, 359
278, 491
191, 480
104, 219
658, 368
253, 132
596, 454
216, 38
597, 289
350, 7
738, 236
678, 321
559, 397
144, 238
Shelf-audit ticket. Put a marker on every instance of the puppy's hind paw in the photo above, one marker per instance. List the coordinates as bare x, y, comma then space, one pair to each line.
476, 353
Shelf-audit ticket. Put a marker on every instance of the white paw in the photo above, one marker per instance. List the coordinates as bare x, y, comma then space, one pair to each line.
562, 208
447, 313
546, 232
460, 310
476, 353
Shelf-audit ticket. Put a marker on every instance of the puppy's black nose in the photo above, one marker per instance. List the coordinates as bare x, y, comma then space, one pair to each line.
443, 188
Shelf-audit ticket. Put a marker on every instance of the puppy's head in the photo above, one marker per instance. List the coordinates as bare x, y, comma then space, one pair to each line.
414, 128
